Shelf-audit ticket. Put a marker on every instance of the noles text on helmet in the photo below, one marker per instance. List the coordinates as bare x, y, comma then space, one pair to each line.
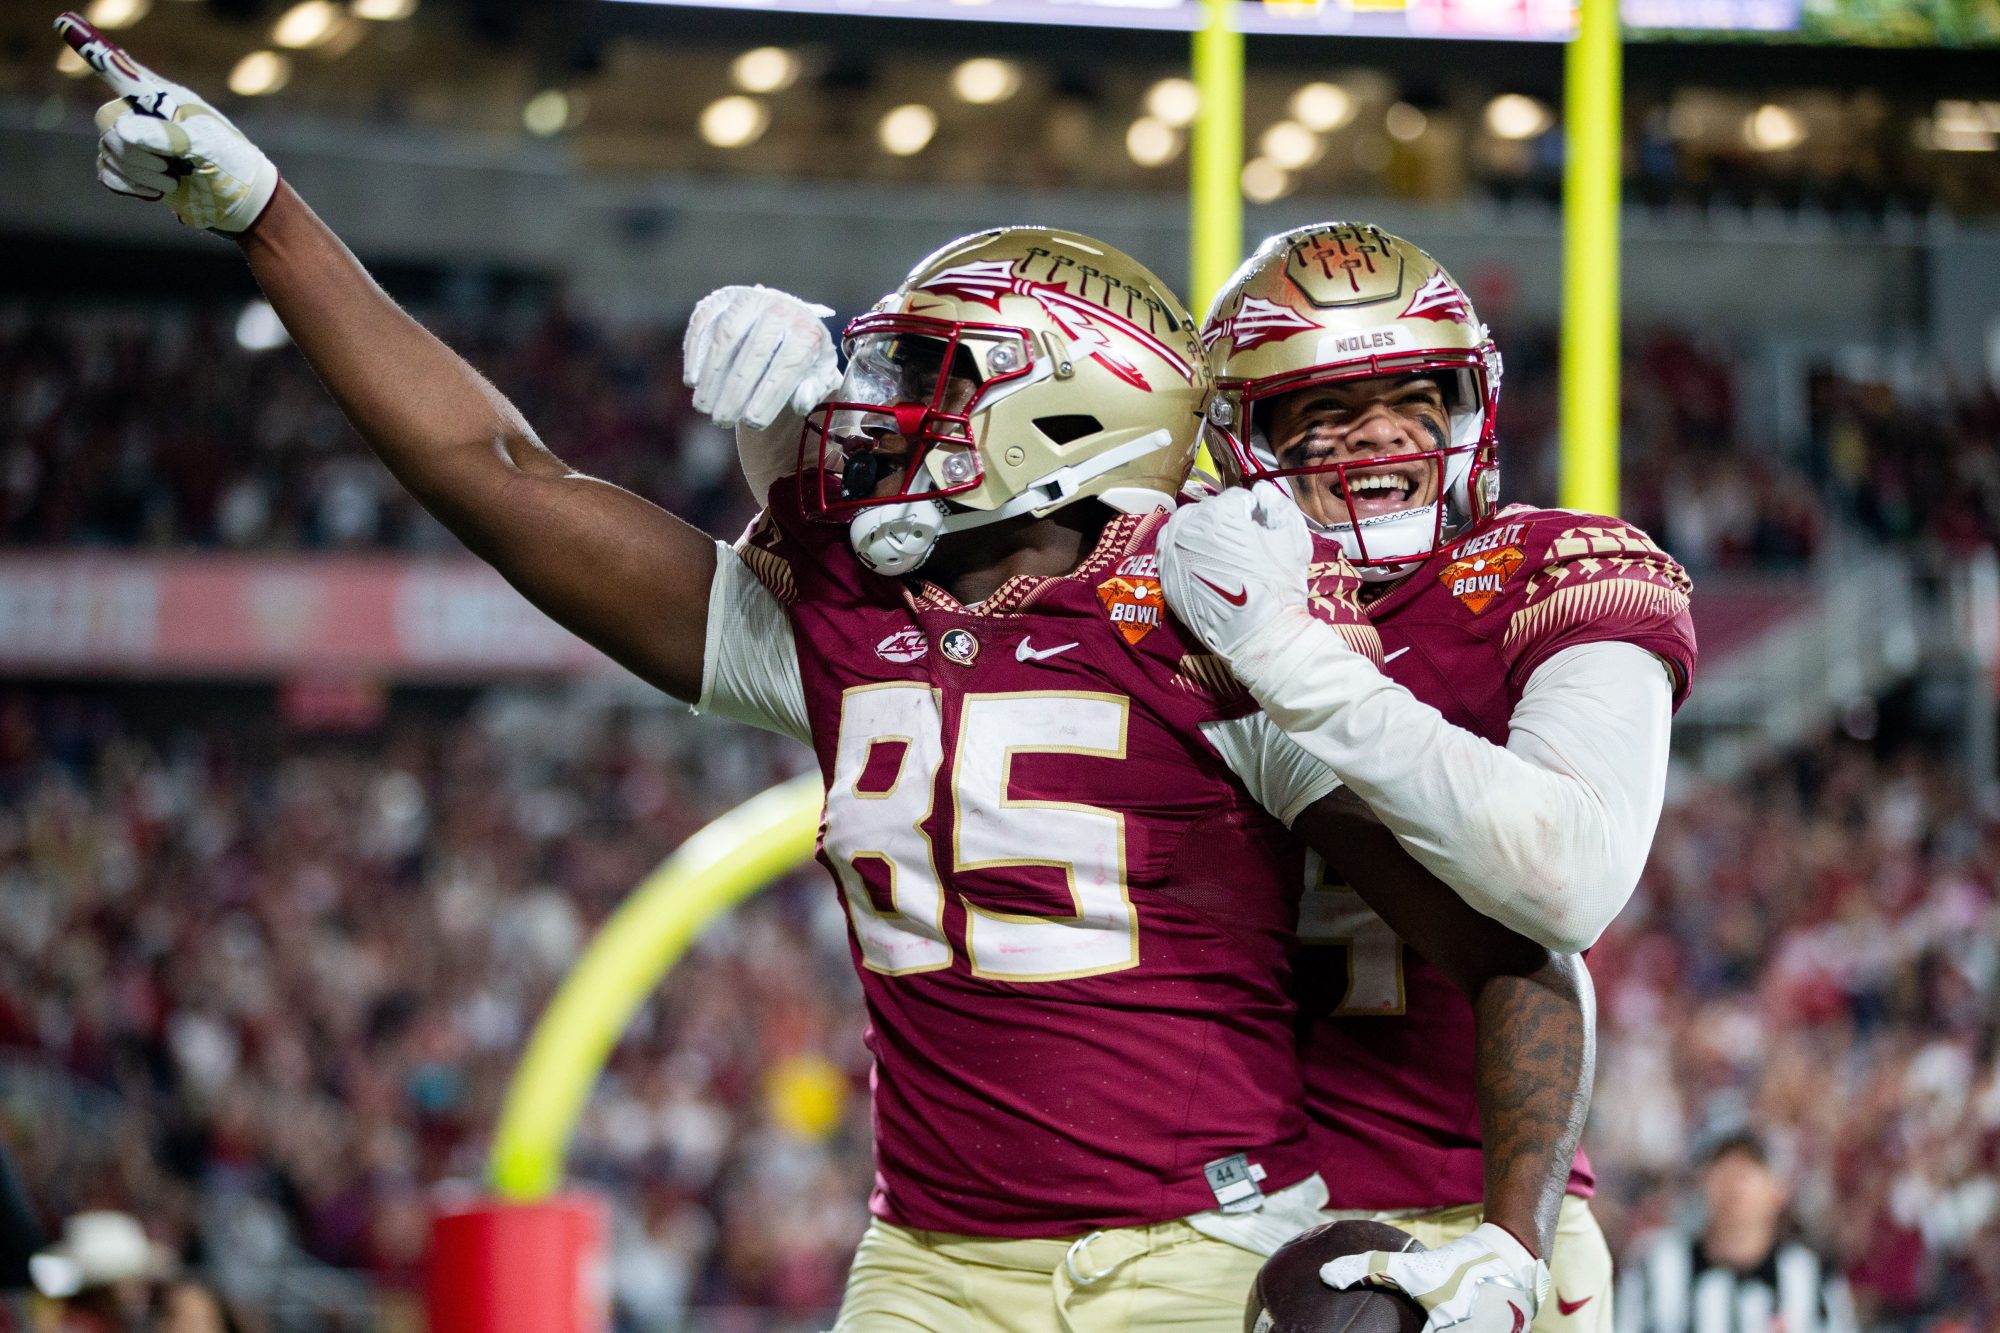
1351, 369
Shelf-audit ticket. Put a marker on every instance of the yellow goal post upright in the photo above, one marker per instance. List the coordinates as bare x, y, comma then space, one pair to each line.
1215, 157
1593, 120
760, 841
1593, 80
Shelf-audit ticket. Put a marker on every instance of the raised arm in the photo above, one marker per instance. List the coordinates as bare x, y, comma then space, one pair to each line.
618, 571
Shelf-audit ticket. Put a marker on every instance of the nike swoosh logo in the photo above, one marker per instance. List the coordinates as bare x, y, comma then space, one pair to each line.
1386, 659
1237, 598
1025, 652
1570, 1307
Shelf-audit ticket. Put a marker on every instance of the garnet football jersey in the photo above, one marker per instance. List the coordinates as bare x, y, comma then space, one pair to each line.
1389, 1048
1071, 918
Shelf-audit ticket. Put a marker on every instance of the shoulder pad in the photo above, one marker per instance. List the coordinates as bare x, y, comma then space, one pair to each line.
762, 547
1595, 569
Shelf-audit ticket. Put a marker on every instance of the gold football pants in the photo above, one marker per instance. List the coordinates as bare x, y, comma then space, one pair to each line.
1166, 1277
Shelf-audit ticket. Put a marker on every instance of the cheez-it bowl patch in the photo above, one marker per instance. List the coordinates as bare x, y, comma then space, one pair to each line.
1478, 579
1134, 604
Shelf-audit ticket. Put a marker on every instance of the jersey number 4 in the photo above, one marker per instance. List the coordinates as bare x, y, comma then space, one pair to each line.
886, 763
1331, 914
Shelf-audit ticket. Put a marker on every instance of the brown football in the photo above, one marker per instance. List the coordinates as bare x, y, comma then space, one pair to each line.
1288, 1296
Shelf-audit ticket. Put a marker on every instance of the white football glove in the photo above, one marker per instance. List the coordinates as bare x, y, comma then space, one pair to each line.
160, 141
752, 352
1486, 1282
1233, 568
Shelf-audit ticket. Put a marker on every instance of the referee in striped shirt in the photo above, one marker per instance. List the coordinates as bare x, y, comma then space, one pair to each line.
1741, 1273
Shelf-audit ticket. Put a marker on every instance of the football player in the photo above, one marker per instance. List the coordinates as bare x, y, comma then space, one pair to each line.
1058, 828
1065, 348
1514, 736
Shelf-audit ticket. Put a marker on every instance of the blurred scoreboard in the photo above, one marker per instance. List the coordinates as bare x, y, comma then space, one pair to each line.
1531, 20
1836, 22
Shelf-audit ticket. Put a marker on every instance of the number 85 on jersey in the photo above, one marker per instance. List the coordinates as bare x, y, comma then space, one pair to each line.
885, 792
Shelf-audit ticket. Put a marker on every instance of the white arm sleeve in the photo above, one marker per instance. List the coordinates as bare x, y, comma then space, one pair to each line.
750, 661
1546, 835
770, 453
1276, 769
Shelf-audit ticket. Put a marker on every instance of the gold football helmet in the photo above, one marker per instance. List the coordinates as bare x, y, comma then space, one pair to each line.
1340, 301
1014, 372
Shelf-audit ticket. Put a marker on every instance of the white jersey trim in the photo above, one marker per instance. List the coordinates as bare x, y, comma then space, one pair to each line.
750, 659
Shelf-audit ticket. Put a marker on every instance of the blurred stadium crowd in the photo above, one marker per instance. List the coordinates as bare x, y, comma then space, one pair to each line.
305, 965
158, 430
307, 969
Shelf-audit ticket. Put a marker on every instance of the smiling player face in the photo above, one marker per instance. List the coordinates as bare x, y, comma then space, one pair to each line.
1385, 418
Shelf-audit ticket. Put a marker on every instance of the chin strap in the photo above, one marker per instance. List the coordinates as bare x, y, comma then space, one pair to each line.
896, 539
1062, 484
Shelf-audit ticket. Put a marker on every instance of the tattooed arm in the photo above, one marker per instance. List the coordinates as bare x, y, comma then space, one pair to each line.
1534, 1010
1537, 1056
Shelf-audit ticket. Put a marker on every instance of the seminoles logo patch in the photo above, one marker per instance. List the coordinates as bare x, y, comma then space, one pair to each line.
959, 646
1082, 321
1438, 300
1255, 323
1478, 579
1133, 602
905, 645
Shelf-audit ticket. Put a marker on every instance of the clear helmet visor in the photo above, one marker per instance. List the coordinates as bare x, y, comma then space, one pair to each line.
900, 427
896, 366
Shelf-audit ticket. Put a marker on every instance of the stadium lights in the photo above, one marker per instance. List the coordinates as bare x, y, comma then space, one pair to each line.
1773, 129
1962, 127
1173, 102
1290, 145
117, 13
546, 113
258, 328
733, 121
71, 65
1405, 123
1322, 107
765, 69
259, 73
907, 129
1264, 180
306, 24
1513, 116
383, 11
1152, 142
984, 80
348, 33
